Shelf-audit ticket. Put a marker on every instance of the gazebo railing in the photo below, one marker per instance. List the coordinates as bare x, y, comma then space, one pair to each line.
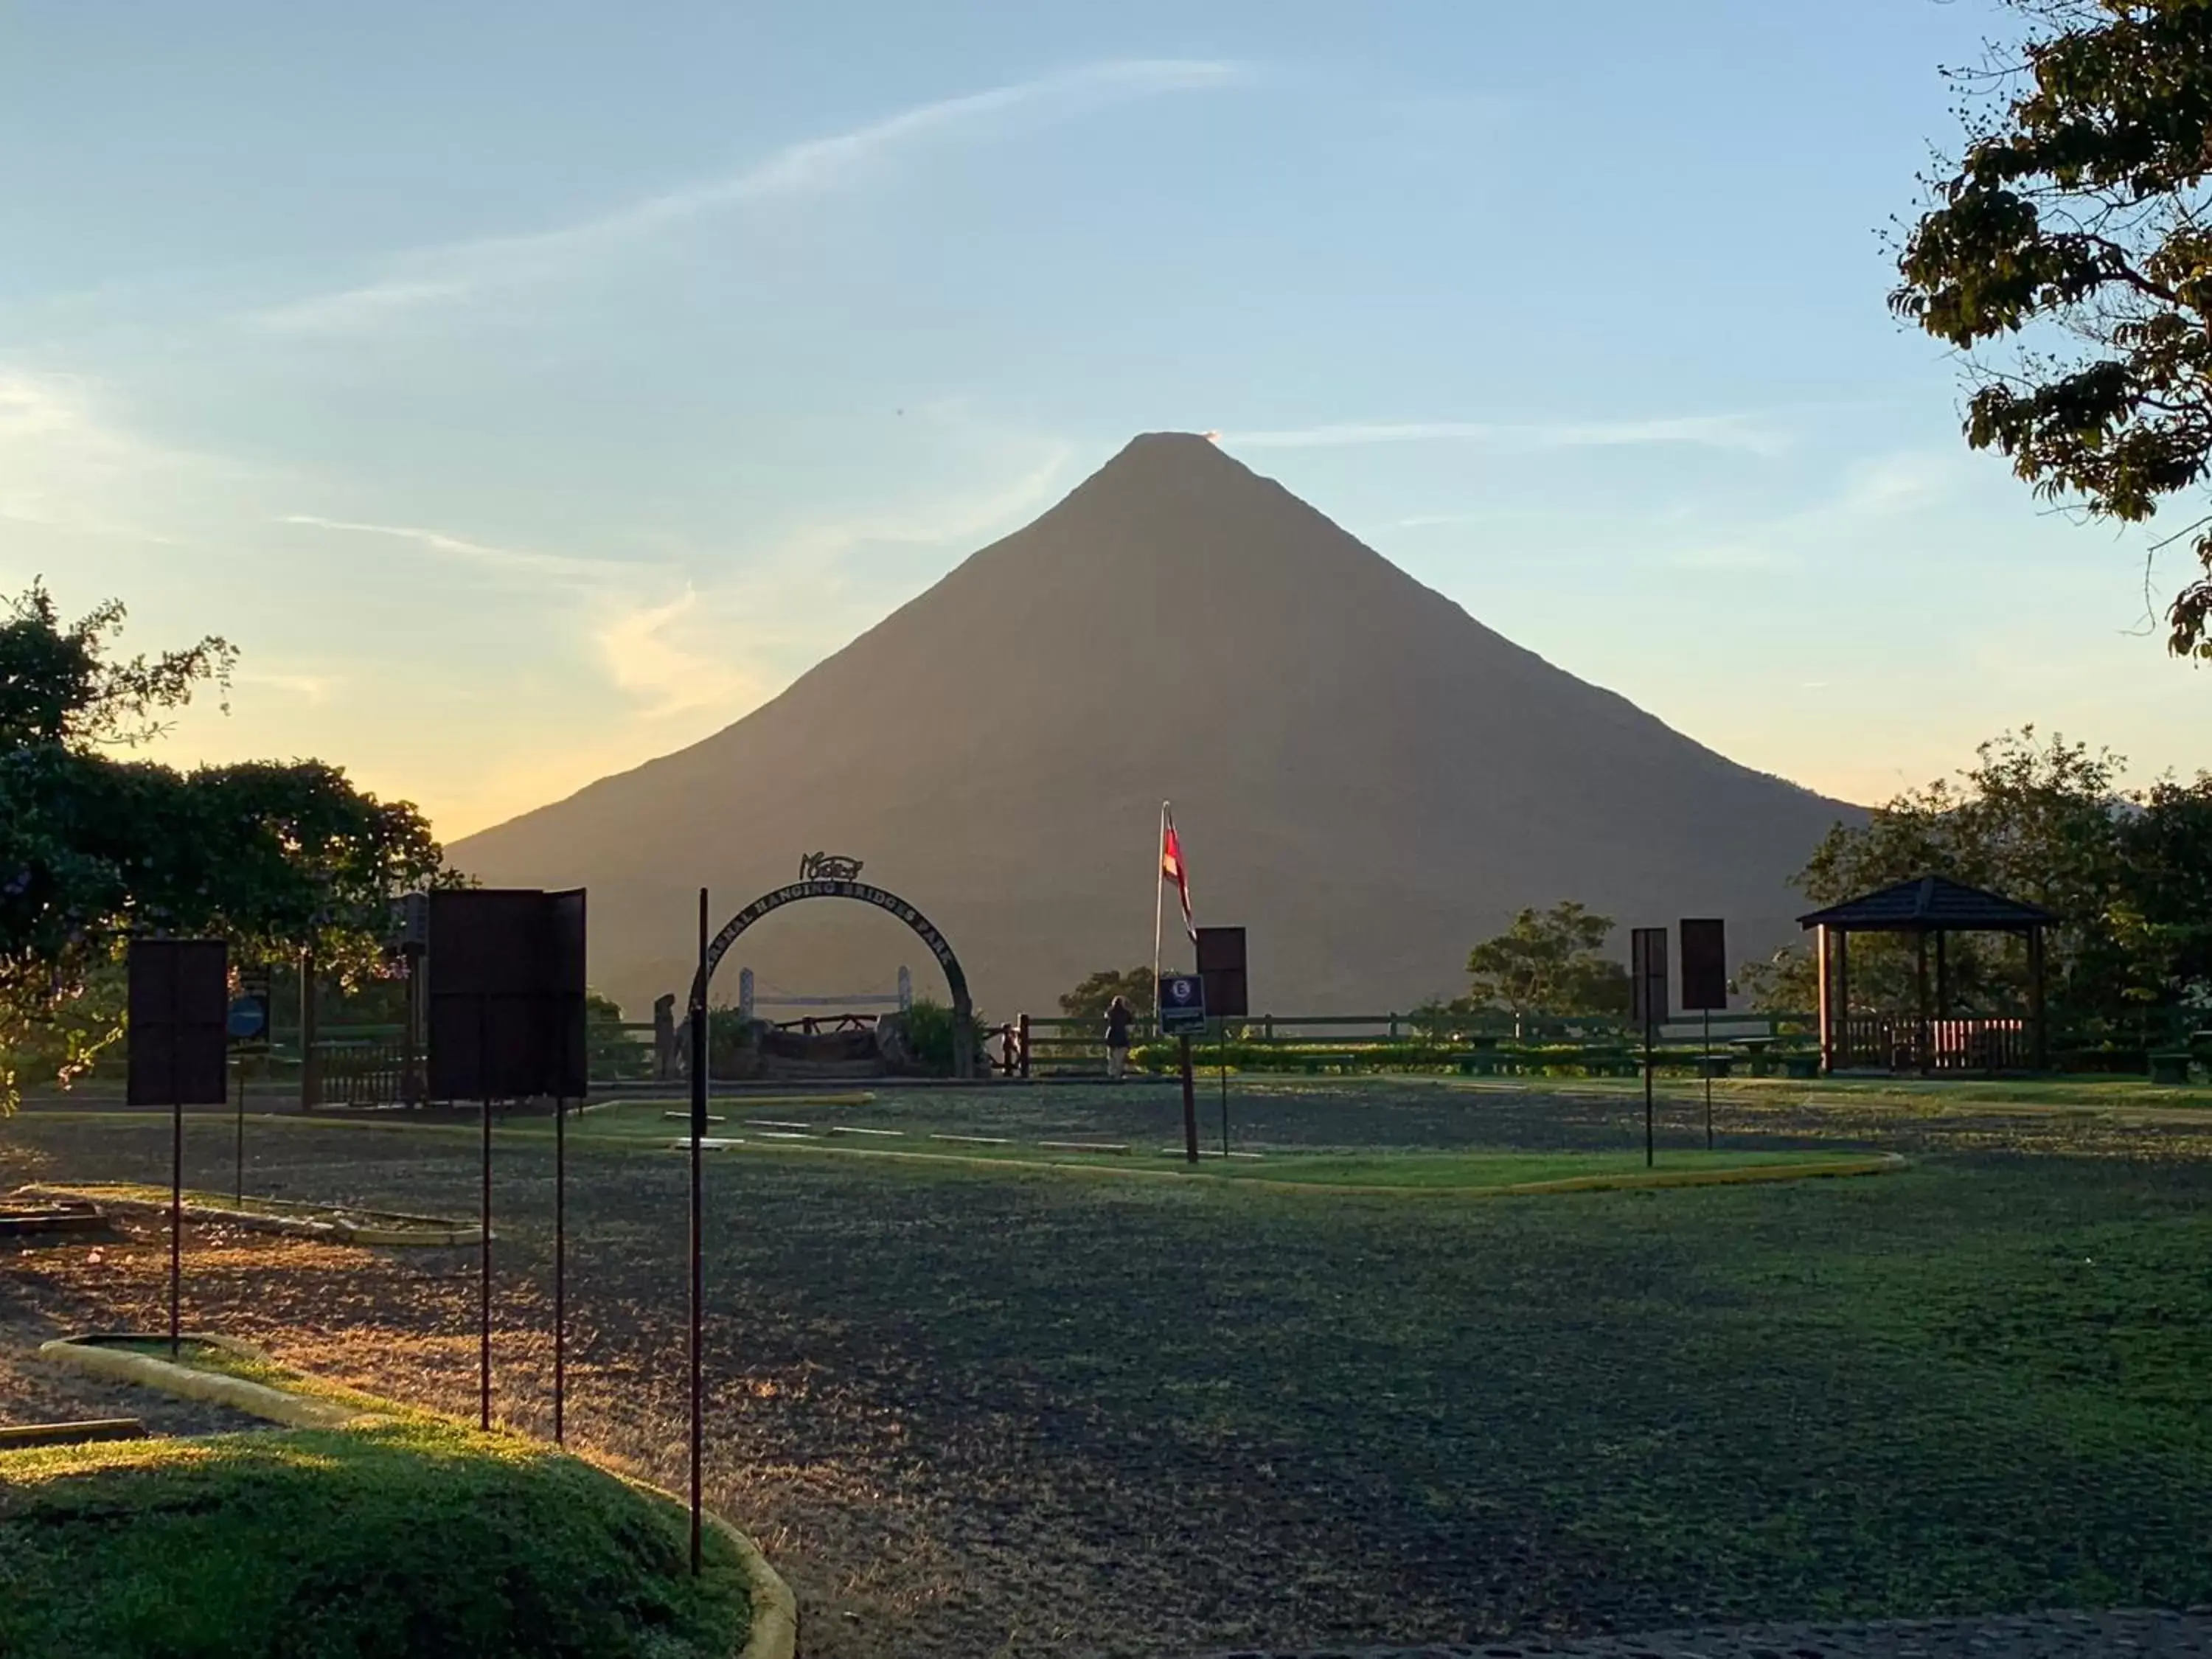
1901, 1042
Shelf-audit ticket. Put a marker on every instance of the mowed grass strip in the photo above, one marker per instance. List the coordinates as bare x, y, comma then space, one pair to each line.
1466, 1173
412, 1535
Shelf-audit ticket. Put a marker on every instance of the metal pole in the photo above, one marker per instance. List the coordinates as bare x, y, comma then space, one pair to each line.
1189, 1105
484, 1279
1709, 1080
1827, 1033
560, 1265
1225, 1091
1159, 898
176, 1223
484, 1218
238, 1147
310, 1071
699, 1062
1649, 1140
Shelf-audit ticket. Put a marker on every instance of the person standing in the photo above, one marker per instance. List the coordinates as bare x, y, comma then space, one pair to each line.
1120, 1017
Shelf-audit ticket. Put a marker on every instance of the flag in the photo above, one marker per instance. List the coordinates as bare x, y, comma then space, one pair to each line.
1171, 869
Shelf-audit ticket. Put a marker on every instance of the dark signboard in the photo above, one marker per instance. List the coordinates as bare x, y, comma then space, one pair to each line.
179, 1003
506, 993
1647, 976
1221, 965
1705, 964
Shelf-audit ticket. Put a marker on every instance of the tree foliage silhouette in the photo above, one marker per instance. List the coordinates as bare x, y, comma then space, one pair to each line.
275, 856
2068, 251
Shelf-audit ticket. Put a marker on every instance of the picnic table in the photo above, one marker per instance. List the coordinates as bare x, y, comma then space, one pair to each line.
1755, 1050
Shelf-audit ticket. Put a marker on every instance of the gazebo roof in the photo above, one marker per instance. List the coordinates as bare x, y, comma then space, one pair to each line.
1933, 904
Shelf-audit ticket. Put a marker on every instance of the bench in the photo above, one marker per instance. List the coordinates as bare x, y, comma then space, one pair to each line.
2171, 1068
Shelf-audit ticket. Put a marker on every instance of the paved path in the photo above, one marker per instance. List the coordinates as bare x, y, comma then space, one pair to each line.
2028, 1636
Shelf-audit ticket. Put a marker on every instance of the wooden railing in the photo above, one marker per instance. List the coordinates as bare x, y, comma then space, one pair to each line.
1896, 1042
1049, 1044
361, 1071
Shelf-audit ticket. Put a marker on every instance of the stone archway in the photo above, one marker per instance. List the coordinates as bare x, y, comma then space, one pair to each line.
821, 876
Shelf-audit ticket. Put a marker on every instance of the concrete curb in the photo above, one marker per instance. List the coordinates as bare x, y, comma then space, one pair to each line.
443, 1235
775, 1629
774, 1632
256, 1399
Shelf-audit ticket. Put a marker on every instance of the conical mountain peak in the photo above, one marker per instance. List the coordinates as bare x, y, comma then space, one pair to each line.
1173, 507
1365, 776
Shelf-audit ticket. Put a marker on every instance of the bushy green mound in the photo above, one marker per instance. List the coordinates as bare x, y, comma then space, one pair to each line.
413, 1537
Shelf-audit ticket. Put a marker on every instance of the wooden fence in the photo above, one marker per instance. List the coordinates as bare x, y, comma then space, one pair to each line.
1905, 1043
370, 1066
1048, 1045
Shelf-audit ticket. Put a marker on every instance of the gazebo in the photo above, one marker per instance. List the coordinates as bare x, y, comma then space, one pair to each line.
1929, 1041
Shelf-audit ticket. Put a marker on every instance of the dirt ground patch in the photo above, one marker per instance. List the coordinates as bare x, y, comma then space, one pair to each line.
36, 1306
970, 1413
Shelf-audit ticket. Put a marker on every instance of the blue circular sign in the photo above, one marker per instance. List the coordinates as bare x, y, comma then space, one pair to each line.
248, 1017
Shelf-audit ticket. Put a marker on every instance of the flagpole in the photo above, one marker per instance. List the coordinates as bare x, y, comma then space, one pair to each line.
1159, 898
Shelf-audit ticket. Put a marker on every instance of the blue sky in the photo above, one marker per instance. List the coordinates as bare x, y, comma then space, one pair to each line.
530, 390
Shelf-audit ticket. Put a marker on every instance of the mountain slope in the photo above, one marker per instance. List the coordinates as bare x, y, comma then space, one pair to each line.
1365, 776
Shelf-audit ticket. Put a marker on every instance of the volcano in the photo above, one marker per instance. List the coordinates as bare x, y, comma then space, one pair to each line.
1364, 776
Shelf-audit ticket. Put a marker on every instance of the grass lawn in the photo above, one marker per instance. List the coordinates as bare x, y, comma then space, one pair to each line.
412, 1536
844, 1129
2091, 1091
972, 1411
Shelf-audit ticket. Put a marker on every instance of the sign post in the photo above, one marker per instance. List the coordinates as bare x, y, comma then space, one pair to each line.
505, 995
1221, 973
1704, 988
1223, 1058
1647, 984
178, 993
701, 1053
1182, 1010
247, 1024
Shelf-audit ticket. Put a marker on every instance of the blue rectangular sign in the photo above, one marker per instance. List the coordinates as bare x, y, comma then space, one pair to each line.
1182, 1003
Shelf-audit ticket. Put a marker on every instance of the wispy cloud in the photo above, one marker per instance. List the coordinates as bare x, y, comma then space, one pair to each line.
70, 463
702, 634
647, 659
310, 688
1733, 432
1872, 496
518, 560
784, 603
949, 520
350, 309
459, 271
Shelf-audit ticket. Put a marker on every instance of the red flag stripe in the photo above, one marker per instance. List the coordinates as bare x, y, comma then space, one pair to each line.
1171, 869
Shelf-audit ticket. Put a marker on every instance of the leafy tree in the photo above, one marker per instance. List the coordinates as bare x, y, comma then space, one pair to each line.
2070, 250
1548, 962
931, 1036
58, 685
1784, 983
276, 857
2129, 874
1092, 997
2165, 919
609, 1051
